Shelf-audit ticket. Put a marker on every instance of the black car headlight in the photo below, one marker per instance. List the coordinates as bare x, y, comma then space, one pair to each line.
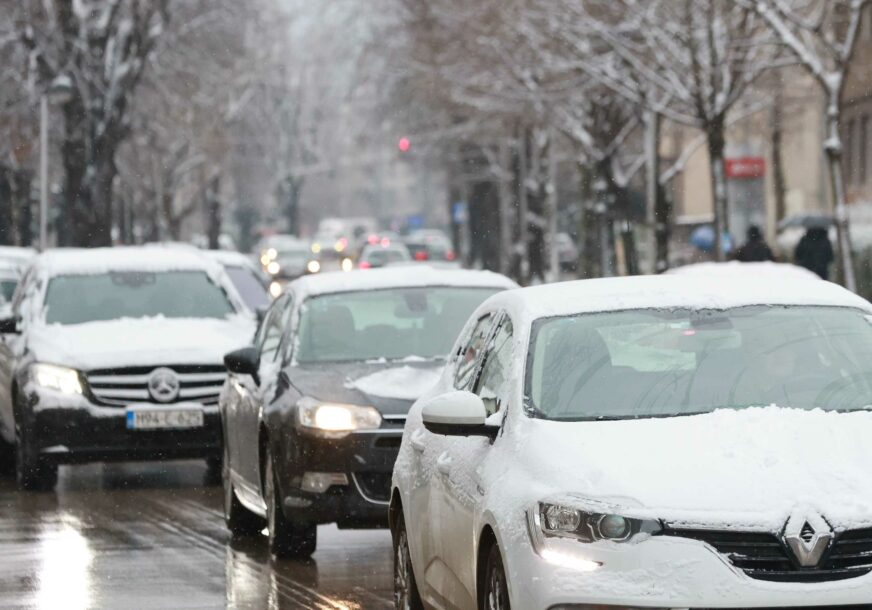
335, 420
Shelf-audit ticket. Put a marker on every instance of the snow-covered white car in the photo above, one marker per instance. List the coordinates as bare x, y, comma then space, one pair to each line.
116, 354
651, 442
314, 410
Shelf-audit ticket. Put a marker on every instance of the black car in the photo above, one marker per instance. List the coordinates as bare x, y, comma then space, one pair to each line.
115, 354
313, 413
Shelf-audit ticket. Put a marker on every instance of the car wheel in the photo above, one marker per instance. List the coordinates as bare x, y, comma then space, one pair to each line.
496, 588
239, 520
32, 472
406, 596
286, 539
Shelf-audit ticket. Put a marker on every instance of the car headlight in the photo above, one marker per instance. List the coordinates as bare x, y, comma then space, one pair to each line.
273, 268
313, 266
550, 520
58, 378
335, 420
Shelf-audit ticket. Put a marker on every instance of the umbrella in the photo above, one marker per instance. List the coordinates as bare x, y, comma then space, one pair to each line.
807, 221
703, 238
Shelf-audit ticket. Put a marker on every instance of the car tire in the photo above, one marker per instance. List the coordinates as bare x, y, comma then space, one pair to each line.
406, 595
286, 539
32, 473
240, 521
496, 588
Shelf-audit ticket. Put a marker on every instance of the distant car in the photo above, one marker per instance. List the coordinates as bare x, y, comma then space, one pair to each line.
245, 276
773, 271
289, 260
567, 252
644, 443
116, 354
430, 245
373, 257
313, 412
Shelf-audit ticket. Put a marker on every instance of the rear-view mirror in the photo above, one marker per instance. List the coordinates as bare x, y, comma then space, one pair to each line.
457, 413
8, 326
245, 361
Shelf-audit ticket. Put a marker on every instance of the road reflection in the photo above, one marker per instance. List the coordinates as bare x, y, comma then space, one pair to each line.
152, 535
64, 577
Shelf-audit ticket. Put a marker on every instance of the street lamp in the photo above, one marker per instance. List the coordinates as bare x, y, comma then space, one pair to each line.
60, 91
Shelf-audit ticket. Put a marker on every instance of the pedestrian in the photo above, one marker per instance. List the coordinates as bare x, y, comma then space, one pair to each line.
755, 249
815, 252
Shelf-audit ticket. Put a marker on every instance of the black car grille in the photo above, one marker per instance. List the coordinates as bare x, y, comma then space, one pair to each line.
120, 387
764, 556
374, 486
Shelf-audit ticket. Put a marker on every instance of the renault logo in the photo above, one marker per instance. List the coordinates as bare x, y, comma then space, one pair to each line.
163, 385
809, 537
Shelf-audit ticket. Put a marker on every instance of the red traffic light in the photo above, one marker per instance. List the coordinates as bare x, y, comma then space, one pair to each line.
404, 145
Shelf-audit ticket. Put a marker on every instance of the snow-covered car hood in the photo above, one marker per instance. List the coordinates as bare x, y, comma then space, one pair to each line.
391, 387
140, 342
754, 467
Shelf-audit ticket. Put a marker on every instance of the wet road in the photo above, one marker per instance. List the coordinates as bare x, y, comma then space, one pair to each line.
152, 536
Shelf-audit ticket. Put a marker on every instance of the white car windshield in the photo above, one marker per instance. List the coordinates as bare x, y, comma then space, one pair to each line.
659, 363
76, 299
392, 324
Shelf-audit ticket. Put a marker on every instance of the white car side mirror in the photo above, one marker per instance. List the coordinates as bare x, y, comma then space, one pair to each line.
457, 413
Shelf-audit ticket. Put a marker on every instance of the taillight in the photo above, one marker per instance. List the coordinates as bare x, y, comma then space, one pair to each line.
364, 265
421, 255
450, 256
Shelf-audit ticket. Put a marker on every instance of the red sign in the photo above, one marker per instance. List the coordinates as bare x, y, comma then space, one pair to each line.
746, 167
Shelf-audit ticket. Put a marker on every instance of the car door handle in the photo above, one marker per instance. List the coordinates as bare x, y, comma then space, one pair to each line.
443, 463
417, 440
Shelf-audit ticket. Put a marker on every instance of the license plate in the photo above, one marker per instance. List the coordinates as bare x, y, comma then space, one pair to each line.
160, 418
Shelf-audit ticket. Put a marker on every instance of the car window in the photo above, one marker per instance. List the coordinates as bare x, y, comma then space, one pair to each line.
469, 353
388, 324
493, 382
273, 329
76, 299
249, 286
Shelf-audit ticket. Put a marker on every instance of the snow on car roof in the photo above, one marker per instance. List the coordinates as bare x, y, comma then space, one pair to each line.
669, 291
773, 271
87, 261
396, 277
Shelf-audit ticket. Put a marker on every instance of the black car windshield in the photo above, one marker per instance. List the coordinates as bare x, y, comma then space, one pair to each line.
658, 363
249, 287
392, 324
75, 299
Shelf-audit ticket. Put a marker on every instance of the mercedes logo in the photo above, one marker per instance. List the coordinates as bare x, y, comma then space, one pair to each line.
809, 537
163, 385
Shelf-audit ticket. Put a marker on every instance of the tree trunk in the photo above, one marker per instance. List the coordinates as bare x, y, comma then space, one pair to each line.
551, 204
292, 187
504, 200
662, 228
778, 183
523, 207
659, 259
833, 149
213, 213
716, 145
7, 220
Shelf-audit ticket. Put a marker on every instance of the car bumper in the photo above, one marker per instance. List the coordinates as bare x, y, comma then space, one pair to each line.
67, 430
657, 573
364, 460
